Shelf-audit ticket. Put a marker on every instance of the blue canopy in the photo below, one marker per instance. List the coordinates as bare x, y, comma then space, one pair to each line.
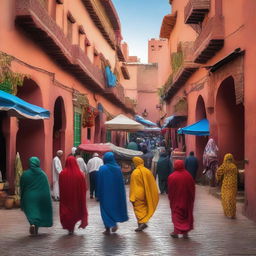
143, 121
20, 108
200, 128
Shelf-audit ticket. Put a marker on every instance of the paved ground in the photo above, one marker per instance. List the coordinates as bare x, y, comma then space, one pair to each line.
213, 234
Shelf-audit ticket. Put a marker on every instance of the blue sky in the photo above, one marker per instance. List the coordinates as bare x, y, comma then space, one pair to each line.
140, 21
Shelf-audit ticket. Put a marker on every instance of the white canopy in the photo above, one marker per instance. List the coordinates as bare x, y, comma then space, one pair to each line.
123, 123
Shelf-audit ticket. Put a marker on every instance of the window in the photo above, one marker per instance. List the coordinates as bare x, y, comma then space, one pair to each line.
77, 128
71, 21
108, 136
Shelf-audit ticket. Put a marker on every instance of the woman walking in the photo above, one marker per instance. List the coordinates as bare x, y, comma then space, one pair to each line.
111, 194
72, 196
227, 173
181, 193
143, 193
35, 196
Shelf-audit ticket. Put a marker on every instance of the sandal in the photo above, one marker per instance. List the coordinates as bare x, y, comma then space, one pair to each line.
114, 229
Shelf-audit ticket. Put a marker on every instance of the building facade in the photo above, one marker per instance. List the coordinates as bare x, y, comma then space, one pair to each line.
63, 48
212, 70
146, 79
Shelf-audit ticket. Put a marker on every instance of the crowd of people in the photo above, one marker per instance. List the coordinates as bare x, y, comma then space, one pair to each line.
70, 184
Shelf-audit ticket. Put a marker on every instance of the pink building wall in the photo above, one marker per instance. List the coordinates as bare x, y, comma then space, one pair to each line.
226, 117
50, 81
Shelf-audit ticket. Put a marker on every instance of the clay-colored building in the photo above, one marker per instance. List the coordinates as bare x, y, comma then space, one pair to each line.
63, 47
147, 78
212, 44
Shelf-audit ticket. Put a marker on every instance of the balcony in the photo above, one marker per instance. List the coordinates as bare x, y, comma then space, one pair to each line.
130, 104
97, 13
125, 72
115, 94
168, 24
210, 40
196, 10
182, 68
85, 71
32, 17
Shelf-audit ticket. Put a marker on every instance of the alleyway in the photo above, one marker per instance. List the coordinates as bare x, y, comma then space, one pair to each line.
213, 234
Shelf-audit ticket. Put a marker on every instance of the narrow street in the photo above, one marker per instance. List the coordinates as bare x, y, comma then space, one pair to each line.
213, 234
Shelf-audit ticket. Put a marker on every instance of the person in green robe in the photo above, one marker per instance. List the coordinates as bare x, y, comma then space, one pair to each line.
35, 196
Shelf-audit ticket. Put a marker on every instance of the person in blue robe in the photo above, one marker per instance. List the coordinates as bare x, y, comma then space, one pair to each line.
111, 193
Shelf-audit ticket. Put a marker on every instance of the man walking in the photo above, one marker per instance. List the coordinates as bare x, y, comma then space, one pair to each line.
93, 166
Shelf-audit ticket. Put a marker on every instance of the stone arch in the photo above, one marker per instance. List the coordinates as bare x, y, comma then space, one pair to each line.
59, 126
30, 139
230, 120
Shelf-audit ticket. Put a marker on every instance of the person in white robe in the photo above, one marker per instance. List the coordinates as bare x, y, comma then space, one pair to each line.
56, 169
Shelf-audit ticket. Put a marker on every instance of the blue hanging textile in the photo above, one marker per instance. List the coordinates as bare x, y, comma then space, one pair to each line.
111, 78
200, 128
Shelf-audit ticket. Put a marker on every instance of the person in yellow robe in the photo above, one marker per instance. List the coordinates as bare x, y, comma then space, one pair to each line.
227, 173
143, 193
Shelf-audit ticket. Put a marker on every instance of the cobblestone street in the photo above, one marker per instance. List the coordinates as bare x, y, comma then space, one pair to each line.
213, 234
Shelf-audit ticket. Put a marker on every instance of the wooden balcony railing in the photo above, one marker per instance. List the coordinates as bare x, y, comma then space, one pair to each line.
98, 15
195, 11
32, 17
210, 40
182, 69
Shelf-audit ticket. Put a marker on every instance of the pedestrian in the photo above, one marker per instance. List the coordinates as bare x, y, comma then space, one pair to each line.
210, 161
147, 156
73, 151
143, 193
111, 193
93, 166
163, 170
72, 196
56, 169
35, 196
181, 193
80, 161
191, 164
227, 174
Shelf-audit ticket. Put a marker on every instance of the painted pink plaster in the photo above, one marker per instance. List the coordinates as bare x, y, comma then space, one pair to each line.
225, 122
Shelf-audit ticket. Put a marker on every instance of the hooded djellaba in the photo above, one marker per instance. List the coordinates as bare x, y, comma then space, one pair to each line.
181, 193
111, 193
72, 196
143, 193
35, 196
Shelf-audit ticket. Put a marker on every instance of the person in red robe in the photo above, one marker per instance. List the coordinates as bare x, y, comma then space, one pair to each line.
72, 196
181, 193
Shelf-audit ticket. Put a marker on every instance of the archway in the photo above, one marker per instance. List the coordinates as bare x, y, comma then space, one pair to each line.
230, 121
59, 126
201, 141
30, 136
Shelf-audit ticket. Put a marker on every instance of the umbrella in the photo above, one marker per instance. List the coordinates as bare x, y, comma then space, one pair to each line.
123, 123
